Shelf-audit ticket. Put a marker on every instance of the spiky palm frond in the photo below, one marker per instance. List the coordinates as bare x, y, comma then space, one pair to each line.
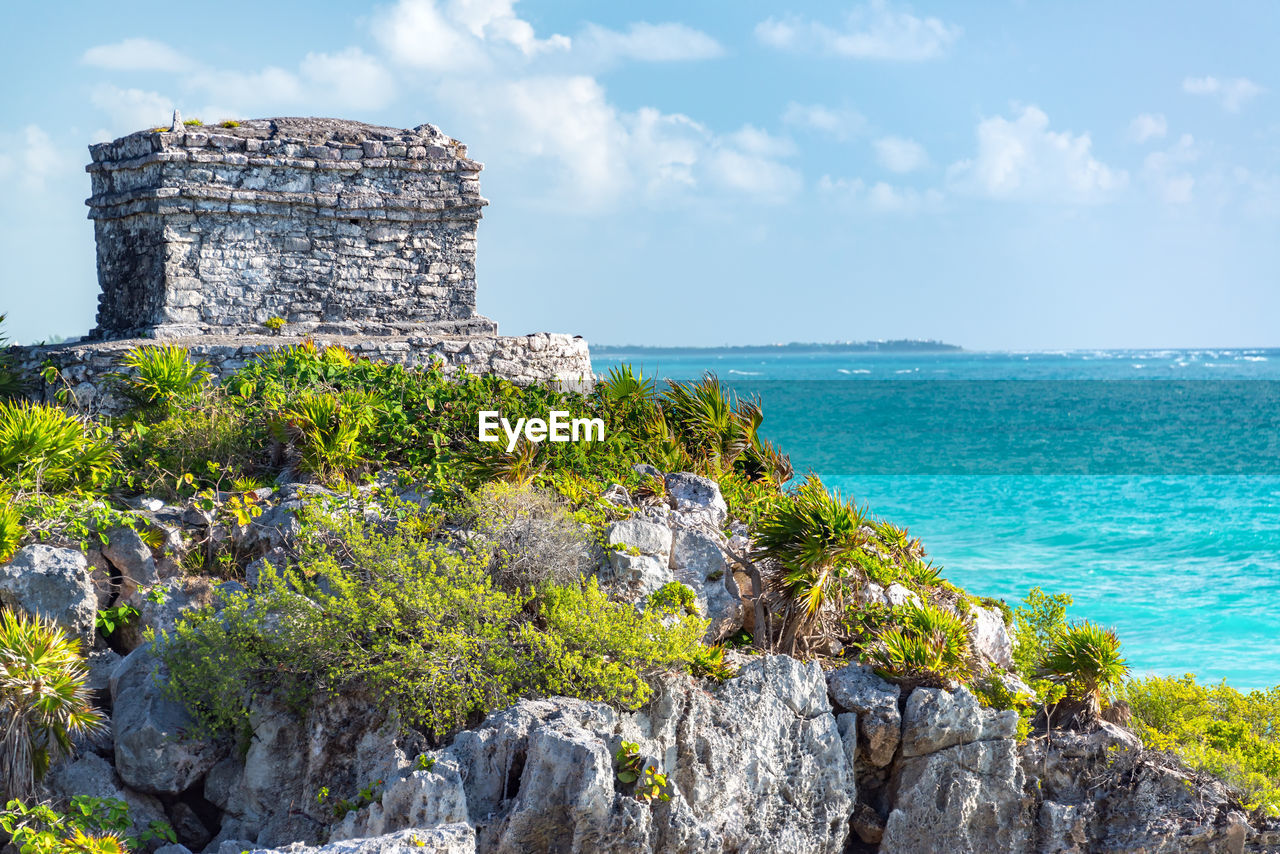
1085, 659
811, 540
161, 373
45, 445
929, 646
11, 530
44, 701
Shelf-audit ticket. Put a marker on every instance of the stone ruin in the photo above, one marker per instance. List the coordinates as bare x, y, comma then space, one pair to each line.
349, 233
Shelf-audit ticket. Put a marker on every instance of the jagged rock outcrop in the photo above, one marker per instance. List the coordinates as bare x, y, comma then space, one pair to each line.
677, 540
756, 765
856, 689
270, 793
441, 839
156, 750
958, 786
53, 583
92, 775
1100, 791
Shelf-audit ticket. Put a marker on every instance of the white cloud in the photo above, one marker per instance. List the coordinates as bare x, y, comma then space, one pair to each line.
457, 35
485, 71
875, 31
351, 78
1148, 126
1021, 159
1232, 94
840, 122
136, 54
749, 161
131, 109
601, 155
32, 158
881, 197
1165, 172
901, 155
645, 42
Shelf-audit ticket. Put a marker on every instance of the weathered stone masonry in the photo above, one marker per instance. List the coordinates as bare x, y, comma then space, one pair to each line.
331, 225
353, 234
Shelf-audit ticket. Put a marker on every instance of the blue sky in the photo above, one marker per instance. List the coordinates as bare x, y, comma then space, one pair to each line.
1000, 175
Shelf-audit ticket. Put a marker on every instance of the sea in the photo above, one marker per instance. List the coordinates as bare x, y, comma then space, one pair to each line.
1144, 483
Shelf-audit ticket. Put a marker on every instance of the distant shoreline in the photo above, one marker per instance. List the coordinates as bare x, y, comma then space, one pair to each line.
903, 345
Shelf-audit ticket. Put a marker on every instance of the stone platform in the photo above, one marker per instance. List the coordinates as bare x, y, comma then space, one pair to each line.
562, 360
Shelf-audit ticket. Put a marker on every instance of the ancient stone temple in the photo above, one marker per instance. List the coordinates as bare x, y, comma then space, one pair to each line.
333, 226
234, 239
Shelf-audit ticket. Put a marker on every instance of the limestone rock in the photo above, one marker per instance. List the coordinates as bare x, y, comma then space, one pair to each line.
962, 799
642, 565
935, 719
90, 774
342, 743
132, 558
155, 748
697, 497
856, 688
53, 583
990, 637
441, 839
755, 765
188, 827
1100, 791
698, 562
160, 608
959, 785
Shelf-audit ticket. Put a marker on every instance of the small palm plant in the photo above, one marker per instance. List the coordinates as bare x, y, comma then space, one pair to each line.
325, 430
11, 530
44, 701
161, 374
1085, 659
929, 646
813, 539
45, 446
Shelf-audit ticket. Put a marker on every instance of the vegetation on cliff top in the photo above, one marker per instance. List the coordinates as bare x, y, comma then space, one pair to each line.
391, 603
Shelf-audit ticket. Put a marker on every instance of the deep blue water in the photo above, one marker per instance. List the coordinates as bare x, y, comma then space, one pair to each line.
1155, 504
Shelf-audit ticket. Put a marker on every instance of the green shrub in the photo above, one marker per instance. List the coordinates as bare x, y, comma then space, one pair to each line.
423, 630
45, 447
675, 598
44, 701
583, 645
89, 826
160, 375
214, 439
536, 539
1213, 728
929, 646
1085, 659
1036, 624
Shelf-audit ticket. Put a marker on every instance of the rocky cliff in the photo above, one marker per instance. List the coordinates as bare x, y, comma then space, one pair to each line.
783, 756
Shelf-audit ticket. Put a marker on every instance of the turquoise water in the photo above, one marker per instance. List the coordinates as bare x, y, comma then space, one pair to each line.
1159, 537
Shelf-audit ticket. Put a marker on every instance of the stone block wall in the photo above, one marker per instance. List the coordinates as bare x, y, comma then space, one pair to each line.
84, 366
335, 226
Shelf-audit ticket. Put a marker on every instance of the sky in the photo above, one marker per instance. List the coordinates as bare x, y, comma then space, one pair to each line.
999, 175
